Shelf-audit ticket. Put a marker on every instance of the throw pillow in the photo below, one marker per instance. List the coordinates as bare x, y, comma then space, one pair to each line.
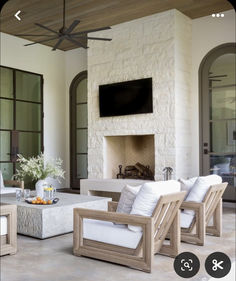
148, 196
127, 197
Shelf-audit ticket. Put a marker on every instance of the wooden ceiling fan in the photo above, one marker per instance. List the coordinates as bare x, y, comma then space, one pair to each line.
64, 33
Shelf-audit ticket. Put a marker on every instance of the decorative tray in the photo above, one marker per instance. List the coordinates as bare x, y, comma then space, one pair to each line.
39, 201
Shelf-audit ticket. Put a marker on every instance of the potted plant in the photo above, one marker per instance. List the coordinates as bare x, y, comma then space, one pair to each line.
38, 169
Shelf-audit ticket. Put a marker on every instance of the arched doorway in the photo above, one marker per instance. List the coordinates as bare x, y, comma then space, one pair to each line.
218, 115
78, 130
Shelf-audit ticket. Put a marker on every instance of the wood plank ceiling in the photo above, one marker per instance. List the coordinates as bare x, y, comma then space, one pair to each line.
94, 14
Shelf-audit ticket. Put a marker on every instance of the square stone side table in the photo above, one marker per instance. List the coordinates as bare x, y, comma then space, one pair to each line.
44, 221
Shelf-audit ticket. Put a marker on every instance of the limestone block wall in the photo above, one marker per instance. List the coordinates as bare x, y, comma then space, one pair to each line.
183, 66
140, 49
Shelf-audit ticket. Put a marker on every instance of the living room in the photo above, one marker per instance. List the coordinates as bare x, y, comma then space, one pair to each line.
177, 46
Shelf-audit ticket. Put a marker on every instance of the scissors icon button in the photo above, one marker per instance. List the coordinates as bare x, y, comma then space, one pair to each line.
217, 265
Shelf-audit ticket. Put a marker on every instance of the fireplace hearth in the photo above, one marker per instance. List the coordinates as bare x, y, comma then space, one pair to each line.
137, 171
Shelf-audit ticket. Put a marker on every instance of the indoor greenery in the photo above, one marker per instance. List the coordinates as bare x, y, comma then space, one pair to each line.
39, 168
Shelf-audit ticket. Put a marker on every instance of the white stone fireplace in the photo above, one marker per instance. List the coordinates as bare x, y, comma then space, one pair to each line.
157, 46
127, 150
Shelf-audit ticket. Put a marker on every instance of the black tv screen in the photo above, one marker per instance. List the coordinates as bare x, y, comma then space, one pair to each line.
130, 97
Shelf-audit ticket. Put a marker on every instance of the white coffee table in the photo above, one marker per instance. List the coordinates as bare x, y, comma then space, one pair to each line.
43, 221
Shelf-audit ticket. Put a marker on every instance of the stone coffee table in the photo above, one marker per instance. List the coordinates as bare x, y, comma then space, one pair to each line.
43, 221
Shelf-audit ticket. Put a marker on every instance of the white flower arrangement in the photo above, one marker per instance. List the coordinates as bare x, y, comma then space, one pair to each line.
38, 168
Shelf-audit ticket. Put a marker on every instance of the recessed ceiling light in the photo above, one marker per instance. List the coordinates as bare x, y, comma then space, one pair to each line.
222, 15
213, 15
217, 15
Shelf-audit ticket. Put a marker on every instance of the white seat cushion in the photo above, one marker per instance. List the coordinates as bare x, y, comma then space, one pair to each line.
3, 225
200, 188
148, 196
6, 190
107, 232
185, 220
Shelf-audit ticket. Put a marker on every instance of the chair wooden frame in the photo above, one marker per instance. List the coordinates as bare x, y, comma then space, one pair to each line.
210, 207
165, 218
8, 242
14, 183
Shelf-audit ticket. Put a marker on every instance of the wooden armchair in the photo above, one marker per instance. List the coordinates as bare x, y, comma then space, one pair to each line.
211, 207
165, 218
8, 238
14, 183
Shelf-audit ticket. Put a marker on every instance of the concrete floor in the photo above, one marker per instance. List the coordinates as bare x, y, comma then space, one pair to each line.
52, 260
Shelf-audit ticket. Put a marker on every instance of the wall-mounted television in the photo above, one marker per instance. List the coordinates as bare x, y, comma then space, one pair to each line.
125, 98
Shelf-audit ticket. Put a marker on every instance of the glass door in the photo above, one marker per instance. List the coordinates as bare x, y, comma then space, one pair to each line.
219, 123
21, 122
79, 130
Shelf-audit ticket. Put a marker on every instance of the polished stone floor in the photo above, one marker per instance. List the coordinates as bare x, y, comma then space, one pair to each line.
52, 260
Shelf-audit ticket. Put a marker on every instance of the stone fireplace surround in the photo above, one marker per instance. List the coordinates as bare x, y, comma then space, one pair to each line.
157, 46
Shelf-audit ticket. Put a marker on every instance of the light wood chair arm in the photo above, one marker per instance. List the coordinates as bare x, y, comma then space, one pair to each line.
112, 217
112, 206
5, 209
191, 205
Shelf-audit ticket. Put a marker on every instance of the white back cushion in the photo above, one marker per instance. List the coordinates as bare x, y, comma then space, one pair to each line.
200, 188
1, 180
186, 185
127, 197
148, 196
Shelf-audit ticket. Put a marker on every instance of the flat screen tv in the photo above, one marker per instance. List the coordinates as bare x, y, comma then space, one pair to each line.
125, 98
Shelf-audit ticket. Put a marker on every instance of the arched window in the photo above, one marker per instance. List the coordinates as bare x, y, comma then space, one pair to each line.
78, 129
218, 115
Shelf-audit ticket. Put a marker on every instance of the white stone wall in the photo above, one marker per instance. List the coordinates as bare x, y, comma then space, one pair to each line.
183, 66
141, 48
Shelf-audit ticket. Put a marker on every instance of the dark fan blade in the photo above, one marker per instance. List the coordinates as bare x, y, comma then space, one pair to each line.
91, 38
58, 43
41, 41
72, 26
218, 76
97, 38
91, 30
79, 44
39, 35
45, 27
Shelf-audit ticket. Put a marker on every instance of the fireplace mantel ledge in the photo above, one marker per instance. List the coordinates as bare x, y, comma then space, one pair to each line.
110, 185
